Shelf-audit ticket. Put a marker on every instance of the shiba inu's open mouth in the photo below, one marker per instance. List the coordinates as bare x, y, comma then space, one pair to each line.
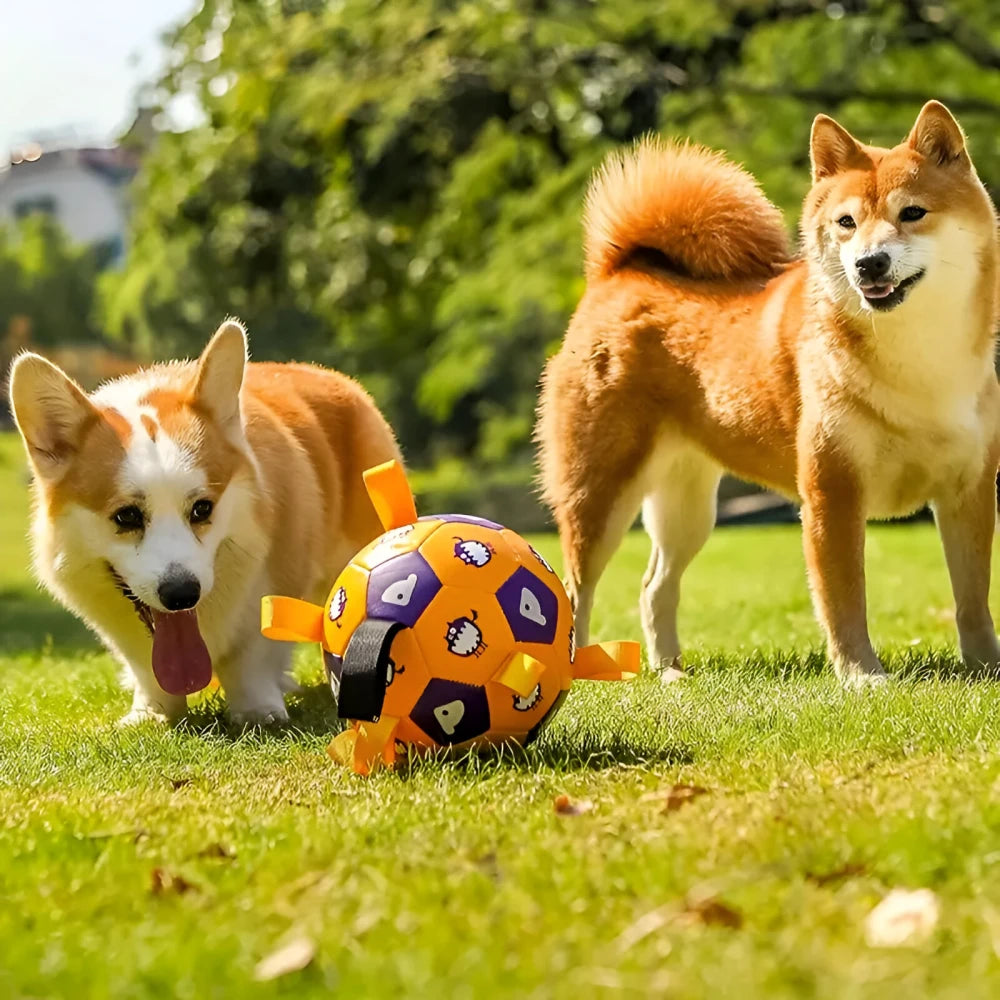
181, 661
886, 295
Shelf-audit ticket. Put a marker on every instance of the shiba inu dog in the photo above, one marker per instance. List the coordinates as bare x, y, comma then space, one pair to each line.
857, 379
170, 500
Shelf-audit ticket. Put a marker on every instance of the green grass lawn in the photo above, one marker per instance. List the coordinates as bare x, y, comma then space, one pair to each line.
158, 862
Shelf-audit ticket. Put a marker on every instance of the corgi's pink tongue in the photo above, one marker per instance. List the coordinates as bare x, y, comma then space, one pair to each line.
181, 663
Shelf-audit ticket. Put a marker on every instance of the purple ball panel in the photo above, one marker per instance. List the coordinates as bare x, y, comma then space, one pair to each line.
530, 607
464, 519
451, 712
400, 590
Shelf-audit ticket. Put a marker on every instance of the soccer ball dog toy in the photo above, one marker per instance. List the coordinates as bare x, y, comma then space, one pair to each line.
444, 631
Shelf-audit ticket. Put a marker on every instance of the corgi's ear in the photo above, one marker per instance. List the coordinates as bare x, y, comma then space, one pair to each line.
832, 148
220, 373
937, 136
51, 411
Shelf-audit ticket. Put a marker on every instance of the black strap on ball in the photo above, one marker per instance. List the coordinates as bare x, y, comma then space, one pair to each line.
366, 668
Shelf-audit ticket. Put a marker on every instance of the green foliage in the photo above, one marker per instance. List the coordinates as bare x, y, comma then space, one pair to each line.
49, 282
395, 187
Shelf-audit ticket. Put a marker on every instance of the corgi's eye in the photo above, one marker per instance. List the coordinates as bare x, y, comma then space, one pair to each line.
129, 518
912, 213
201, 511
846, 222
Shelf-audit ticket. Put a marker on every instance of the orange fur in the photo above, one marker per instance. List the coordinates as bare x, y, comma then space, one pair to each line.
706, 216
698, 348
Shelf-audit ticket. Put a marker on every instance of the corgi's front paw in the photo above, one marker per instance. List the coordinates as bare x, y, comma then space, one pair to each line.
142, 716
264, 715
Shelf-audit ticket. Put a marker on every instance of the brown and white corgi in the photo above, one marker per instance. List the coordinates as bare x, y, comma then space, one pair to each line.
169, 501
857, 379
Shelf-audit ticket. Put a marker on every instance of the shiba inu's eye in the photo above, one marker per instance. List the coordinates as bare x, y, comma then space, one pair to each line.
201, 511
912, 213
846, 222
129, 518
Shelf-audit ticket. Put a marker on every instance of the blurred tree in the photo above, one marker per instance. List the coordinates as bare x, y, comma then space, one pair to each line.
47, 285
394, 186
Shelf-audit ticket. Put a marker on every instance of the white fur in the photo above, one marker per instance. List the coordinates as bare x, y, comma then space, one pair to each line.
73, 549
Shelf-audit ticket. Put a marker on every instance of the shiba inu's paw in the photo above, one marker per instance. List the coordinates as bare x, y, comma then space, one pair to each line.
981, 651
671, 672
142, 716
863, 680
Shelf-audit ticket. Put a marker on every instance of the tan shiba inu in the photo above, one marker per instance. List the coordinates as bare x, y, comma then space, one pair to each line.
169, 501
857, 379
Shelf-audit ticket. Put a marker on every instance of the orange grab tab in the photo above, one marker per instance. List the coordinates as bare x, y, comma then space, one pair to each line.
289, 620
607, 661
390, 494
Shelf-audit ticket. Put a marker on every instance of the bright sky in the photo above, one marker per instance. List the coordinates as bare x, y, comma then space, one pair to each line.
74, 65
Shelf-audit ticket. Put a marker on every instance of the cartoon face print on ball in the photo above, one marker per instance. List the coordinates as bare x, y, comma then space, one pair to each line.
464, 637
337, 604
526, 704
473, 552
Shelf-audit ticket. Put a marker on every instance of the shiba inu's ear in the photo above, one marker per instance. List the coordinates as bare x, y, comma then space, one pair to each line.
937, 136
831, 148
220, 372
51, 412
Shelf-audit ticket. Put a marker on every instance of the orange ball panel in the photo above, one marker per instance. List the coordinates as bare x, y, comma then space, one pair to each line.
464, 636
409, 675
471, 556
345, 608
512, 715
394, 542
532, 558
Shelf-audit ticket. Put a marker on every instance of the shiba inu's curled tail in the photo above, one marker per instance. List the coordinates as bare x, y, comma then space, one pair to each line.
691, 211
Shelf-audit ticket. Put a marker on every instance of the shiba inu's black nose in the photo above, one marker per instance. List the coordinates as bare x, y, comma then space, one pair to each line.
179, 590
873, 266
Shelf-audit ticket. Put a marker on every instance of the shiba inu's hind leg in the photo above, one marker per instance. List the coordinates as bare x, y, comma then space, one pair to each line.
678, 514
590, 532
594, 450
967, 523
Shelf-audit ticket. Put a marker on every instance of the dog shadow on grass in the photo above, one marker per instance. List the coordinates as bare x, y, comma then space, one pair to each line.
312, 713
912, 664
30, 620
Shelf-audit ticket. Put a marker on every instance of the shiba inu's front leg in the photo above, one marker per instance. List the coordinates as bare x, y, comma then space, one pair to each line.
966, 523
833, 523
254, 679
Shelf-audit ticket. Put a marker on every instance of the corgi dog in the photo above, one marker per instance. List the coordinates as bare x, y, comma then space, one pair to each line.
856, 379
169, 501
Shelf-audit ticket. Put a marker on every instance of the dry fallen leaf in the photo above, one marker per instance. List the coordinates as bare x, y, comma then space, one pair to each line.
163, 881
710, 911
681, 795
290, 957
216, 850
845, 871
565, 806
904, 917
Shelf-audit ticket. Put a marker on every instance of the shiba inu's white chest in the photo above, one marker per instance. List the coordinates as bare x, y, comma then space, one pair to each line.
909, 451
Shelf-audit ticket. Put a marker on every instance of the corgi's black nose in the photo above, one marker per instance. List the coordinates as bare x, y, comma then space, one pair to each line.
179, 589
873, 266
